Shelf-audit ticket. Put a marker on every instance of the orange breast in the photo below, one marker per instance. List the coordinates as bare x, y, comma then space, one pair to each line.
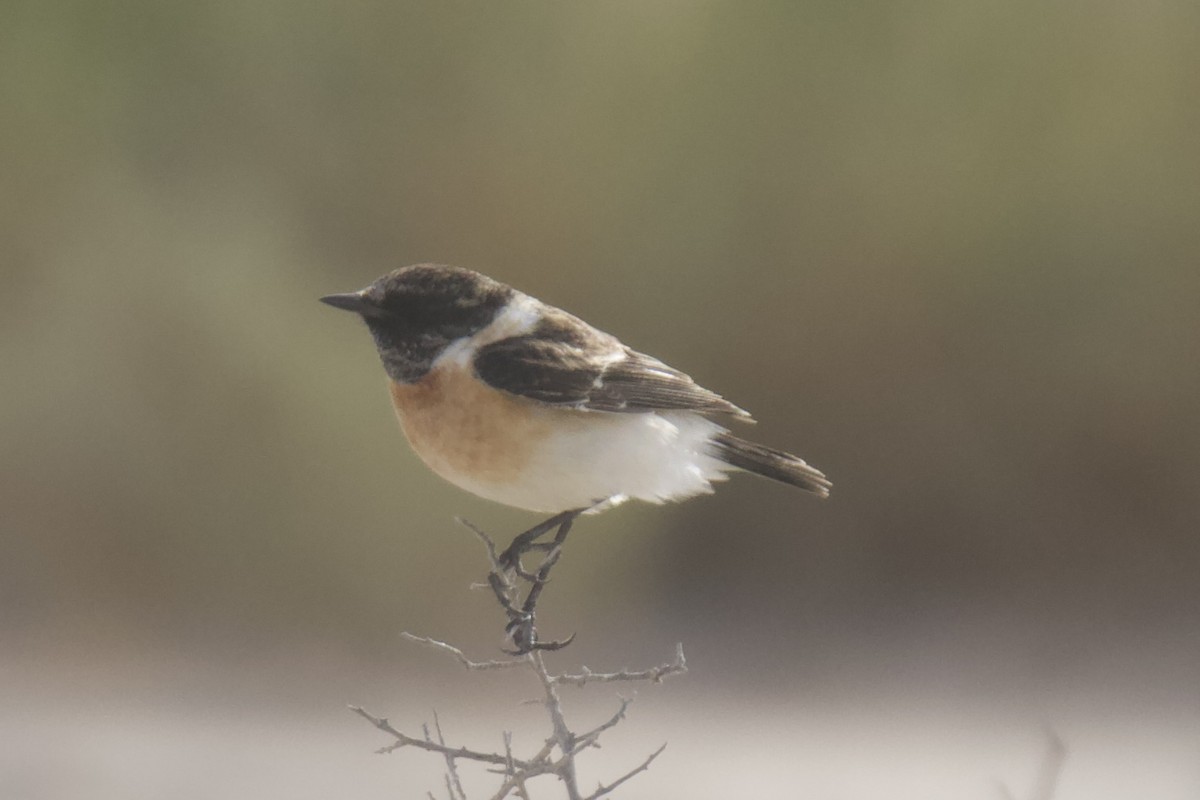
465, 430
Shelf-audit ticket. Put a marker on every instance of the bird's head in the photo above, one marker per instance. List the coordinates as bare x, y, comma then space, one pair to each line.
416, 312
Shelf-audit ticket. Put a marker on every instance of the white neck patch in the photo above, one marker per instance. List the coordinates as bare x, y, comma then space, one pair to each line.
520, 316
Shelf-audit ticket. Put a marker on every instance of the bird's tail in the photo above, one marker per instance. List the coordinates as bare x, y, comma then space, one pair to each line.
770, 463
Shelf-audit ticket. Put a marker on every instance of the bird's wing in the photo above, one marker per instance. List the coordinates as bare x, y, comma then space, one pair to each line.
566, 362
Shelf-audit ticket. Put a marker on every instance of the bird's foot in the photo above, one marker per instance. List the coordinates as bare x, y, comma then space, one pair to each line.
508, 570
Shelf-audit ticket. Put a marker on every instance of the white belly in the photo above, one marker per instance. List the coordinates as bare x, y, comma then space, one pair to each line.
654, 457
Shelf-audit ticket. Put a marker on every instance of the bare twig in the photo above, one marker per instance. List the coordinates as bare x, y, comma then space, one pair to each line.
515, 781
518, 592
562, 734
602, 790
654, 675
589, 739
453, 783
488, 542
541, 764
404, 740
461, 656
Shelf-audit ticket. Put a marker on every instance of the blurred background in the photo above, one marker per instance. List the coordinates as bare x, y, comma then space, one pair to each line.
947, 252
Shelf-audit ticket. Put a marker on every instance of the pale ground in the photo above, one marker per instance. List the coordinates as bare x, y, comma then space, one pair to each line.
231, 735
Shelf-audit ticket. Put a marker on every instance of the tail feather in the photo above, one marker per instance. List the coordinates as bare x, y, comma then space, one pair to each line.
770, 463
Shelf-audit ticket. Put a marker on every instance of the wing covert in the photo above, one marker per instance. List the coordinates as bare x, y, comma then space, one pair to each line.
566, 362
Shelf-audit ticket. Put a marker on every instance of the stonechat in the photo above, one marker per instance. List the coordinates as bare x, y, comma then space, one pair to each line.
525, 404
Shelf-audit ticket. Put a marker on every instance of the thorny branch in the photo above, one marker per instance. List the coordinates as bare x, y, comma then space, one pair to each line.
654, 675
404, 740
454, 785
518, 592
508, 579
461, 656
602, 790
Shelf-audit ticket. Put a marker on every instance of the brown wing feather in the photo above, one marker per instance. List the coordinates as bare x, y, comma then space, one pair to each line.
566, 362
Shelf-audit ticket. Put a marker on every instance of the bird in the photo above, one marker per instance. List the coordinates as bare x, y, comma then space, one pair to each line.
522, 403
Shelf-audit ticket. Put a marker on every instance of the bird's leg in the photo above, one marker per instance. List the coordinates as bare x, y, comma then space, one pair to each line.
542, 576
520, 626
523, 543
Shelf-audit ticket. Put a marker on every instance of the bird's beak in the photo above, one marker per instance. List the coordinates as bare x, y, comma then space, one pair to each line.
351, 301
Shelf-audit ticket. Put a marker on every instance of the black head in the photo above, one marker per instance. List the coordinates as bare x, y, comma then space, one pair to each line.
415, 312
